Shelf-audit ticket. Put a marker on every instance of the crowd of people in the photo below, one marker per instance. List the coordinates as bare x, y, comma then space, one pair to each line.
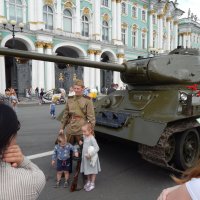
76, 139
10, 98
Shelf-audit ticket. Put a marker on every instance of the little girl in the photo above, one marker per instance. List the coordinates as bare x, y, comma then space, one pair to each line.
90, 169
62, 155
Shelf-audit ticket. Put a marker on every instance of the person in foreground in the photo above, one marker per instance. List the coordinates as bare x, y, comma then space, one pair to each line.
20, 179
188, 187
61, 156
90, 164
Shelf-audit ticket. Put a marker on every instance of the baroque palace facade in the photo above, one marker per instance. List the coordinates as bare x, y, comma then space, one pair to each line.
97, 30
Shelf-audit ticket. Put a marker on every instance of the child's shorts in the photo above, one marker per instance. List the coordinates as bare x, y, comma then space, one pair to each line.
63, 165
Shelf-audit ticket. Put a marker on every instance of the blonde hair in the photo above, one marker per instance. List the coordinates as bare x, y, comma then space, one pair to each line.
89, 127
188, 174
61, 137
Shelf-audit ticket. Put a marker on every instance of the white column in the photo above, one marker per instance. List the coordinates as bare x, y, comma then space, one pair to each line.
168, 34
114, 23
118, 10
2, 13
116, 75
58, 20
49, 71
78, 18
40, 74
184, 40
189, 40
96, 23
161, 33
2, 75
92, 70
175, 34
31, 13
158, 33
150, 29
180, 40
97, 72
86, 76
39, 14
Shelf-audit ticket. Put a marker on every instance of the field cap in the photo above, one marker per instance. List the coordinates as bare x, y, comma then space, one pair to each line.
79, 82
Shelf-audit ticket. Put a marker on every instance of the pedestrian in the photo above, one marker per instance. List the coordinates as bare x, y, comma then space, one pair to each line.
13, 99
53, 108
90, 164
187, 188
6, 98
61, 156
37, 92
20, 179
41, 95
78, 110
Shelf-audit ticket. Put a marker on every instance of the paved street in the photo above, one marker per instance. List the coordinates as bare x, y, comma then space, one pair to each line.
124, 176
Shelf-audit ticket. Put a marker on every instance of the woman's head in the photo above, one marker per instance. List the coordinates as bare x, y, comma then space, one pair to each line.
87, 129
9, 125
187, 175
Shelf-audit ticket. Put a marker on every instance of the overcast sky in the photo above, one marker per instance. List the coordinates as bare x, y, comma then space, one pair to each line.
194, 6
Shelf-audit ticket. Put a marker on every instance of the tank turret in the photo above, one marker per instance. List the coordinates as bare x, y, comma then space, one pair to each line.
160, 111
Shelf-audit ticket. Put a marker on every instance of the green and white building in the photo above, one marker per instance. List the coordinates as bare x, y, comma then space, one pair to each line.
189, 32
98, 30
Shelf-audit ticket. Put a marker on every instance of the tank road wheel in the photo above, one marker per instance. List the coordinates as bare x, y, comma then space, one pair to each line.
187, 149
170, 148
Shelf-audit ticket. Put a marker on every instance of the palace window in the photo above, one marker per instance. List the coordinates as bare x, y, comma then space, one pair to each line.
67, 21
104, 3
48, 17
134, 38
105, 31
123, 36
16, 10
143, 40
134, 12
85, 26
143, 15
124, 8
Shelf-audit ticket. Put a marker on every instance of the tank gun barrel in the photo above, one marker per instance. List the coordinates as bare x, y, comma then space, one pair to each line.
61, 59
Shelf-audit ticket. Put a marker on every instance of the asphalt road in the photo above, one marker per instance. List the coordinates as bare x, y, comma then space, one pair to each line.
124, 176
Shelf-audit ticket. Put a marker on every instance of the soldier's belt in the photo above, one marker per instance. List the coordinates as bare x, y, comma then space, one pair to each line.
76, 117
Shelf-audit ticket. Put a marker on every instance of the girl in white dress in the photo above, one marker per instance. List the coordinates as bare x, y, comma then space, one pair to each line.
90, 164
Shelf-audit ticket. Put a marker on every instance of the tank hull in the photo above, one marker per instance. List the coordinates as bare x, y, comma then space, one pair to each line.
149, 117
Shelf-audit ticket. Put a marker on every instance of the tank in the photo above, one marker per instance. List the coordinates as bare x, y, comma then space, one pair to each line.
159, 110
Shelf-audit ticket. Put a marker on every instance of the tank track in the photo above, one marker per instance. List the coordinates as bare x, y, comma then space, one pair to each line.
156, 154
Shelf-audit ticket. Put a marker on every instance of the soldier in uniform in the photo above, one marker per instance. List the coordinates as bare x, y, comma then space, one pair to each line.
78, 110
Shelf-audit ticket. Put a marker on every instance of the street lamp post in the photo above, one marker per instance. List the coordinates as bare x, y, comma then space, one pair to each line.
13, 30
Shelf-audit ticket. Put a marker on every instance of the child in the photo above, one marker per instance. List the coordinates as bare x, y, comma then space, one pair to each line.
62, 155
90, 164
53, 109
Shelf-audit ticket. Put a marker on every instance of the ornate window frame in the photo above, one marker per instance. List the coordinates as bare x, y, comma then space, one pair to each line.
67, 18
47, 26
24, 11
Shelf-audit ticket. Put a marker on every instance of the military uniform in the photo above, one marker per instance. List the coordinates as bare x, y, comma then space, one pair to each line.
78, 110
